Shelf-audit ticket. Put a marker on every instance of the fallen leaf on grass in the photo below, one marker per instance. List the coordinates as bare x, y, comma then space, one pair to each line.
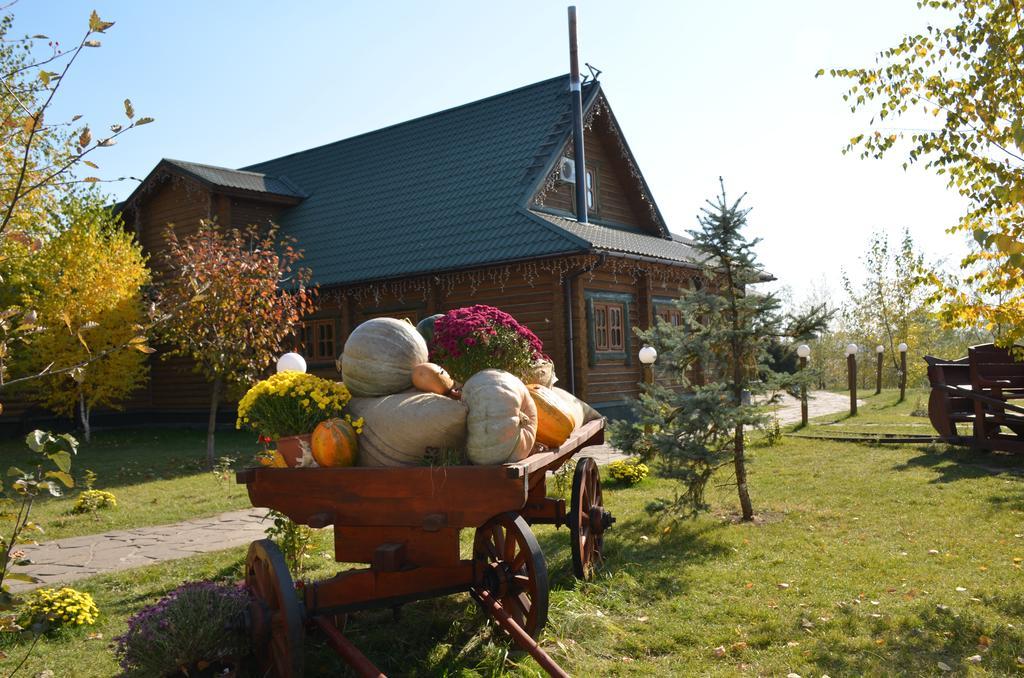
944, 667
942, 608
719, 651
960, 589
806, 623
875, 615
749, 585
783, 585
792, 643
95, 635
984, 641
792, 675
983, 568
974, 659
642, 619
933, 552
738, 646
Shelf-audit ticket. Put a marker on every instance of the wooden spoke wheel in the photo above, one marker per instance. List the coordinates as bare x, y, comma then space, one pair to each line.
587, 519
275, 615
510, 566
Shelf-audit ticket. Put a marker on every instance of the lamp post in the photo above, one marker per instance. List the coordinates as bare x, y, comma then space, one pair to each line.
878, 370
903, 370
804, 352
291, 362
851, 370
647, 356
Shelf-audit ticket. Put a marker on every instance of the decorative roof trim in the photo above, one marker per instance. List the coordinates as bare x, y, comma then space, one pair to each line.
595, 107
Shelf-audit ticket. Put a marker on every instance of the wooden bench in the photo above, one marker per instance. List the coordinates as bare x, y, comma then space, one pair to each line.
979, 390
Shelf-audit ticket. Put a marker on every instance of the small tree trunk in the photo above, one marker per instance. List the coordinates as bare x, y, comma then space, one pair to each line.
83, 413
739, 461
211, 427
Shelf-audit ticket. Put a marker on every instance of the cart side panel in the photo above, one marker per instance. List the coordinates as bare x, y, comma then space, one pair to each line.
396, 547
430, 498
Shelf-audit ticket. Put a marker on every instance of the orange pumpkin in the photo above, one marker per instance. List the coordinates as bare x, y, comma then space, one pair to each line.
334, 443
555, 422
432, 378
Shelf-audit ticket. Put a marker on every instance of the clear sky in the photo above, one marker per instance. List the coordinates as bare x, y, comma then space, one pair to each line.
700, 88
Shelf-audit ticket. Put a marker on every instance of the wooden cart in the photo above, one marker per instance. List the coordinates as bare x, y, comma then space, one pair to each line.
404, 523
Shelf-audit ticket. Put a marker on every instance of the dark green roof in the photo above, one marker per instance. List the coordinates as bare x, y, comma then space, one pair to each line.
443, 192
436, 193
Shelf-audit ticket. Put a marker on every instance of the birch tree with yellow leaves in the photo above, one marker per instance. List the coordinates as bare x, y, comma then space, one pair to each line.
963, 77
85, 285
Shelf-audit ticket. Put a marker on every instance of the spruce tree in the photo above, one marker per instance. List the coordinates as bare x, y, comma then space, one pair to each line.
719, 354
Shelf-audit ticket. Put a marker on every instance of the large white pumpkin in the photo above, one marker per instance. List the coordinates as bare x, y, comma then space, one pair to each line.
379, 356
399, 429
502, 421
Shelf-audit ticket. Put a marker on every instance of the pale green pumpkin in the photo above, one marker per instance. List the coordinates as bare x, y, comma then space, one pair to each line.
379, 356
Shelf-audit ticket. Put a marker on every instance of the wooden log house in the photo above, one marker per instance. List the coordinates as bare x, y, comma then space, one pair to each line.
466, 206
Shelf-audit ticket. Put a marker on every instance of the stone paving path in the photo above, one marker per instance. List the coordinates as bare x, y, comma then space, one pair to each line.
65, 560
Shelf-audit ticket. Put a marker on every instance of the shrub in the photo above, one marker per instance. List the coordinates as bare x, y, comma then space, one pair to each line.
55, 608
198, 622
295, 541
773, 432
920, 408
291, 403
90, 501
629, 471
467, 340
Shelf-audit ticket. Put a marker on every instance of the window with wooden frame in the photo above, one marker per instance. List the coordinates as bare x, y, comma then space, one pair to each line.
590, 185
608, 328
665, 308
671, 315
318, 340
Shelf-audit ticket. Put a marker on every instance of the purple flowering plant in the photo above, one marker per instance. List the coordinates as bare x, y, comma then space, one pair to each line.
467, 340
196, 623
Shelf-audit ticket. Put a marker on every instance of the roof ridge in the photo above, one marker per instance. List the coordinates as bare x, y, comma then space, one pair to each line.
417, 119
217, 167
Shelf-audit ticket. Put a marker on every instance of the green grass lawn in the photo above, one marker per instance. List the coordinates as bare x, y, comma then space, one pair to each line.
158, 475
881, 413
866, 560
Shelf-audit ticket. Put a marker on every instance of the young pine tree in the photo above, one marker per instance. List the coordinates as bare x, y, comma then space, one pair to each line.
719, 353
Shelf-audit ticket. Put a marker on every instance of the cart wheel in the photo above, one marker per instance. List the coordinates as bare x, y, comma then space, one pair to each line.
587, 519
510, 566
275, 615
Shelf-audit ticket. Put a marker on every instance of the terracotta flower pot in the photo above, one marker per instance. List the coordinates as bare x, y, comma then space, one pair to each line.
291, 447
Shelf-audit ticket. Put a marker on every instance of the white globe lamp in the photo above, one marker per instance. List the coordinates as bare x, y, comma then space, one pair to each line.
879, 349
803, 350
648, 355
291, 362
903, 347
851, 349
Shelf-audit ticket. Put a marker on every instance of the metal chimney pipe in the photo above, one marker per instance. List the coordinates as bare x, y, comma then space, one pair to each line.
576, 98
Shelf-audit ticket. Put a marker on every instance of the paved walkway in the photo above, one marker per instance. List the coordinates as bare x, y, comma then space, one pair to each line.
65, 560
